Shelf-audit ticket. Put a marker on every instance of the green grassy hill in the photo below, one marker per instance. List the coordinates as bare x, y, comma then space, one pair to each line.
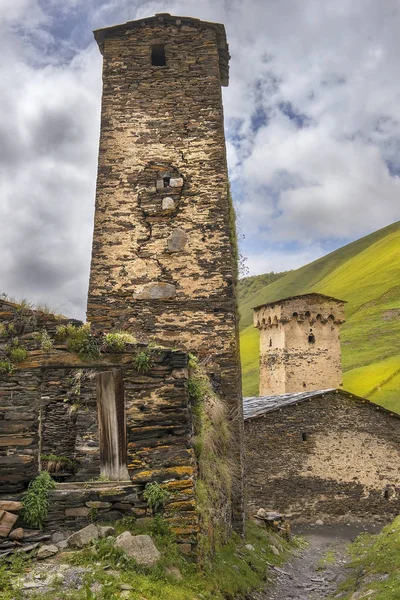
366, 273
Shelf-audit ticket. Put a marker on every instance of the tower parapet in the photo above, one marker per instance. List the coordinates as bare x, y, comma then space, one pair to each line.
300, 343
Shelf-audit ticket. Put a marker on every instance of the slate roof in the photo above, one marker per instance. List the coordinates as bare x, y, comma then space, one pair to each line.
256, 406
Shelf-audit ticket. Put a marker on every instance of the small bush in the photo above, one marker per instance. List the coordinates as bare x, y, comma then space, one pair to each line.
44, 340
142, 361
116, 342
155, 496
79, 340
18, 354
6, 368
36, 500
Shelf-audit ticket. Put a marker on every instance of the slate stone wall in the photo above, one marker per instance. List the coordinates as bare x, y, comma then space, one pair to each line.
48, 406
334, 458
163, 260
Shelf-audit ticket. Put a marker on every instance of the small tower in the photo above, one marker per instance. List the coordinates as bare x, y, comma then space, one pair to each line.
300, 344
163, 260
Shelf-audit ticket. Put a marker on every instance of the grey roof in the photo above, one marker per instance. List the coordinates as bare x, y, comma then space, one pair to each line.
256, 406
289, 298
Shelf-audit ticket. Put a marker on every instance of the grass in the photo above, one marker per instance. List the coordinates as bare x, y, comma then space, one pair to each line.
329, 558
234, 571
366, 274
375, 565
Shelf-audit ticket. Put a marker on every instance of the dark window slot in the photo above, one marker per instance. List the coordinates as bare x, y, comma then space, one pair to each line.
158, 55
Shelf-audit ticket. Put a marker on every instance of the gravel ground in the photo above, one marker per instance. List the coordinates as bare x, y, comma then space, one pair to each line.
315, 571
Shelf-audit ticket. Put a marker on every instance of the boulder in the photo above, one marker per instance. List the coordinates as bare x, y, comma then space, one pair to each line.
16, 534
84, 536
58, 536
106, 531
139, 547
174, 572
46, 552
7, 521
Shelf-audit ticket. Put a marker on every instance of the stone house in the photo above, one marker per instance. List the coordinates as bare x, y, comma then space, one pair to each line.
325, 455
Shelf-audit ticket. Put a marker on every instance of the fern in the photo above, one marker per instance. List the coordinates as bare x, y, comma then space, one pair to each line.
36, 500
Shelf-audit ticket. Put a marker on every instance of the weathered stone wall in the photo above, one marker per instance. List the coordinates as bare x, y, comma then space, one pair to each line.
163, 261
347, 467
300, 344
48, 406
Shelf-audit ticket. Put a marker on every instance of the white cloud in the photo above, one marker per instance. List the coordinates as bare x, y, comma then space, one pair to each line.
312, 115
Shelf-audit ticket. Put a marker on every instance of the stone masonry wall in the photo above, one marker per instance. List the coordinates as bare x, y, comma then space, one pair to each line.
163, 261
347, 467
48, 406
300, 344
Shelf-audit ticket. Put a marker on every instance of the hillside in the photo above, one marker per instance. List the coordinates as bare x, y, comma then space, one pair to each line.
366, 273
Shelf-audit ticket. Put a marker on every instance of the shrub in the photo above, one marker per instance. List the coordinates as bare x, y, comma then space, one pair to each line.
6, 367
142, 361
116, 342
155, 496
36, 500
79, 340
18, 354
44, 340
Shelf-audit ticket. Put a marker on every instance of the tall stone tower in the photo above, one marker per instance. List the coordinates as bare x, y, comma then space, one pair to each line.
164, 259
300, 344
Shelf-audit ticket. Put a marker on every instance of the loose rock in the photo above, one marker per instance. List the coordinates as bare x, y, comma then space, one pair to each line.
46, 552
83, 537
139, 547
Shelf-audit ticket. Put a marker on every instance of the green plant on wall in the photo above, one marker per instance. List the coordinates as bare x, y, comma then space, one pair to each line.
142, 361
6, 368
79, 340
117, 341
54, 463
76, 380
44, 340
36, 500
210, 442
15, 352
155, 496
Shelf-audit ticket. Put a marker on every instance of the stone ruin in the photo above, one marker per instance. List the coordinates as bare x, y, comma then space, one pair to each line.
163, 268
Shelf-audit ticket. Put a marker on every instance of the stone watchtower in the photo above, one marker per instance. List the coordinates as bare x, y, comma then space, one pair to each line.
300, 344
164, 260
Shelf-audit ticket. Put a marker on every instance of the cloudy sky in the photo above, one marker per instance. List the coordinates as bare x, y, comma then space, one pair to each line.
312, 123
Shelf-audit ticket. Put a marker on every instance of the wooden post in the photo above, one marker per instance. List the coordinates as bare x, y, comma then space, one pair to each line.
112, 425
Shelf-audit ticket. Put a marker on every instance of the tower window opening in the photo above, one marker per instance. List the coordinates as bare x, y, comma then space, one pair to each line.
270, 342
311, 338
304, 437
158, 55
166, 181
386, 494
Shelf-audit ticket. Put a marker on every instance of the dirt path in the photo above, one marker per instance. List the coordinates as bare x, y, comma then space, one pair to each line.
314, 572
